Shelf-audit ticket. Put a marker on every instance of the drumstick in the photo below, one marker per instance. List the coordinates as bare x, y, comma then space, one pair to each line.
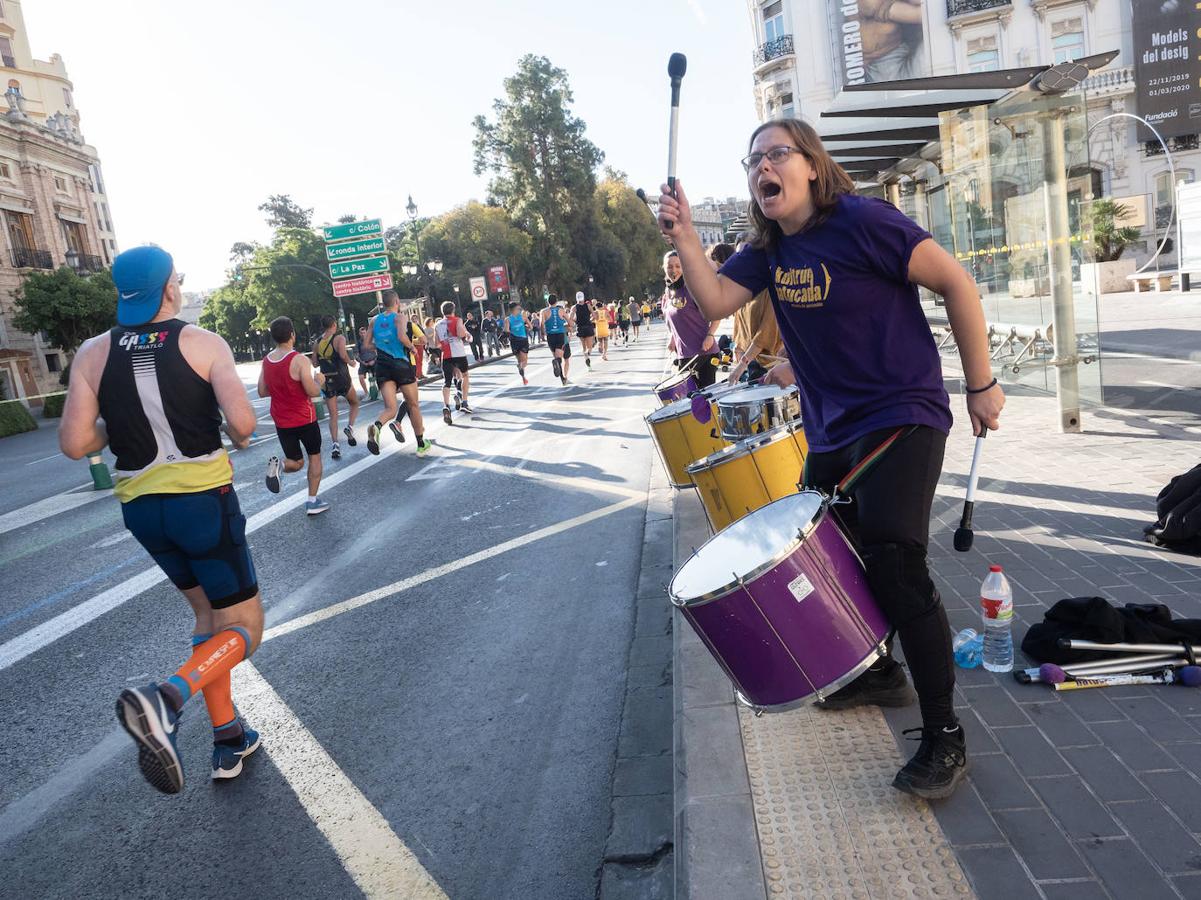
963, 534
676, 67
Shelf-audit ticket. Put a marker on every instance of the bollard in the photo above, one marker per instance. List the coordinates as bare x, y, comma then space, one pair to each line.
372, 388
101, 479
319, 404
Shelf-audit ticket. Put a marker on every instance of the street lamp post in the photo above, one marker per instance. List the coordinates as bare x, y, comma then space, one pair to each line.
328, 280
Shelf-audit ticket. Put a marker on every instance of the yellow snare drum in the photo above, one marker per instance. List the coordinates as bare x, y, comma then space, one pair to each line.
750, 474
681, 439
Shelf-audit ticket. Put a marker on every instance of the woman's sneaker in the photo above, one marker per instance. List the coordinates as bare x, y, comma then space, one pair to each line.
227, 760
315, 507
349, 432
150, 721
397, 431
446, 415
938, 766
882, 686
273, 468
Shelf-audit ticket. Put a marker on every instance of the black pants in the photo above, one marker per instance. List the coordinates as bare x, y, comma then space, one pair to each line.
706, 372
477, 349
889, 520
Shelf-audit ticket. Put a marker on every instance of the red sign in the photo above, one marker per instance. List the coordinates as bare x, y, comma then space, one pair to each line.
498, 278
364, 285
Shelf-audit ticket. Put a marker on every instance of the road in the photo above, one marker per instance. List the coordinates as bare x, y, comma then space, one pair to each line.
439, 688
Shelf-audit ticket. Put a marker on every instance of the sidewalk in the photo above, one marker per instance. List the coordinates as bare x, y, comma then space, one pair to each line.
1071, 795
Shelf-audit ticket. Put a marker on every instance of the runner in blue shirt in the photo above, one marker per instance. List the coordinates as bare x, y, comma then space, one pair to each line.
516, 325
554, 324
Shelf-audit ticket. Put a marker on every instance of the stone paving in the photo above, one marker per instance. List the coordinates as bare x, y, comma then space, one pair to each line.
1072, 795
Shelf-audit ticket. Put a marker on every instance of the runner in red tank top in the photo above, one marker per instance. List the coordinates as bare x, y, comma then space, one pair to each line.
288, 379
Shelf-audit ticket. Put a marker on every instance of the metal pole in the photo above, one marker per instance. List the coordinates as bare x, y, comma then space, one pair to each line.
1059, 264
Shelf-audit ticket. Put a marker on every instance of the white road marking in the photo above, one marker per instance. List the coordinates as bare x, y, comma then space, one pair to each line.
391, 590
1161, 384
15, 650
111, 541
378, 861
51, 506
45, 459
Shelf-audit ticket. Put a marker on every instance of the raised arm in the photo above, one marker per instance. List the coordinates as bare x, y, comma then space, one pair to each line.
230, 392
716, 296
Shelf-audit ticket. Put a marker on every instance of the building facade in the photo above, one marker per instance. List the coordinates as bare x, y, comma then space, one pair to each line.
52, 199
807, 51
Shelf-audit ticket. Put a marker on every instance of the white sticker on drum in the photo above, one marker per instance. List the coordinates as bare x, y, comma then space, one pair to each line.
801, 587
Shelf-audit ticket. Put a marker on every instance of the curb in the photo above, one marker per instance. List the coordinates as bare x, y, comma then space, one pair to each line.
638, 859
716, 836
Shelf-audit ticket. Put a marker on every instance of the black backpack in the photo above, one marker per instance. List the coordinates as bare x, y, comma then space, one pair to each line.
1178, 507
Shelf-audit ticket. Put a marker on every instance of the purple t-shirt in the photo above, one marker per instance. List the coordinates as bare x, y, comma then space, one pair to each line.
685, 321
853, 327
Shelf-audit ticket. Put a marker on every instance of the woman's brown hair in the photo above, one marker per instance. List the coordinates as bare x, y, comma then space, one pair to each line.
831, 182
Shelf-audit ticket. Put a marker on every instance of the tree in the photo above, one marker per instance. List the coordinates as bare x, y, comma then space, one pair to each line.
543, 169
283, 212
229, 313
632, 228
470, 239
1111, 239
70, 308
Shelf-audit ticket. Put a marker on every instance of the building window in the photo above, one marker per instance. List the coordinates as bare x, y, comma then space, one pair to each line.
54, 363
5, 171
1165, 195
1067, 39
67, 98
773, 21
982, 54
60, 184
6, 53
20, 230
73, 236
787, 109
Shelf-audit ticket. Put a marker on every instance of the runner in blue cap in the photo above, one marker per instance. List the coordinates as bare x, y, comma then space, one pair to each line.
154, 389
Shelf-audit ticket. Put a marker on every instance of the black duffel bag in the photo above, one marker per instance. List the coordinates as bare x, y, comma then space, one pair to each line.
1178, 507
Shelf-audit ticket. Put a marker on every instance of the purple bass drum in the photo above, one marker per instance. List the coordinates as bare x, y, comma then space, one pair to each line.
781, 600
677, 387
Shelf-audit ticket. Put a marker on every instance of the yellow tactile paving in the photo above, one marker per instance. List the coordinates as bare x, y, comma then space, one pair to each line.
830, 825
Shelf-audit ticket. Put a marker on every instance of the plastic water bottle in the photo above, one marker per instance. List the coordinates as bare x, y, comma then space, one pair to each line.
968, 646
996, 604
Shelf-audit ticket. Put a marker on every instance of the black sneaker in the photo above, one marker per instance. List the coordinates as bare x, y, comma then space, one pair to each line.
373, 439
349, 432
397, 431
938, 766
335, 451
885, 686
557, 365
446, 415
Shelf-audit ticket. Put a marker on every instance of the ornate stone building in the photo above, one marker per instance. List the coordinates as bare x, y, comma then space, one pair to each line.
52, 200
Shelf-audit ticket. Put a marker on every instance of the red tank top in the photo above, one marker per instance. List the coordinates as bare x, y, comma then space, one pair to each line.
290, 405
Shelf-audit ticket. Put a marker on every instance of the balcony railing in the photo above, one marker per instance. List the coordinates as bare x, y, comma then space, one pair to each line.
90, 263
26, 258
964, 7
781, 46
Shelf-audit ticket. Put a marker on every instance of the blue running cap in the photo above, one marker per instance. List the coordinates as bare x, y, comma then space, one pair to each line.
140, 275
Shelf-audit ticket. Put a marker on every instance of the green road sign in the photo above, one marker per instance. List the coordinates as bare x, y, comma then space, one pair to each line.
354, 267
350, 249
366, 228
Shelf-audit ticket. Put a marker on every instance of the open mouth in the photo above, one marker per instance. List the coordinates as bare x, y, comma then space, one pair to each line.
769, 190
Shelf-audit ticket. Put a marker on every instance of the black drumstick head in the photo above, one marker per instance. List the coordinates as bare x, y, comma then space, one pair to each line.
963, 539
641, 194
677, 66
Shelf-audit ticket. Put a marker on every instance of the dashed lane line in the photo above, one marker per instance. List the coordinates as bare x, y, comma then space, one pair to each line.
391, 590
51, 506
367, 847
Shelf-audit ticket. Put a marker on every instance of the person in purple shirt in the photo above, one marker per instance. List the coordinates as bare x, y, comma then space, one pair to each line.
842, 271
690, 333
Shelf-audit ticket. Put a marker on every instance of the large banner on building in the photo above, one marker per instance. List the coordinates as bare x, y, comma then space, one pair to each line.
1167, 72
879, 40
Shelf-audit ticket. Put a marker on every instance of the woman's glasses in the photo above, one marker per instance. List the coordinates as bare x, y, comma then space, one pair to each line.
776, 156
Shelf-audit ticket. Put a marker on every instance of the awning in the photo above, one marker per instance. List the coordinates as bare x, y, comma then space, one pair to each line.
839, 152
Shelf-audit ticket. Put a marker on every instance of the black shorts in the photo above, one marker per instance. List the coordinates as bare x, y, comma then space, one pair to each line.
585, 332
198, 540
398, 371
291, 439
556, 341
449, 364
519, 344
336, 385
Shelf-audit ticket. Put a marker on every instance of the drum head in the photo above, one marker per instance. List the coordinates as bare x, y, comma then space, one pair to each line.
673, 410
673, 380
746, 549
752, 396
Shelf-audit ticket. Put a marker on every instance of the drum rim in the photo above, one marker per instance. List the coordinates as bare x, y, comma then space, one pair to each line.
836, 685
685, 410
743, 446
729, 588
670, 381
780, 393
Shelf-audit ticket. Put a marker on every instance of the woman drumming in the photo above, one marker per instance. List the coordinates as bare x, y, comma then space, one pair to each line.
691, 334
842, 272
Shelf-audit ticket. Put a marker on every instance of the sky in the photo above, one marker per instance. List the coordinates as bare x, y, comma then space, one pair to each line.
199, 111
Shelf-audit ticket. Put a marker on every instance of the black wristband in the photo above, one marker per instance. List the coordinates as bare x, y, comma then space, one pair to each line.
988, 387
